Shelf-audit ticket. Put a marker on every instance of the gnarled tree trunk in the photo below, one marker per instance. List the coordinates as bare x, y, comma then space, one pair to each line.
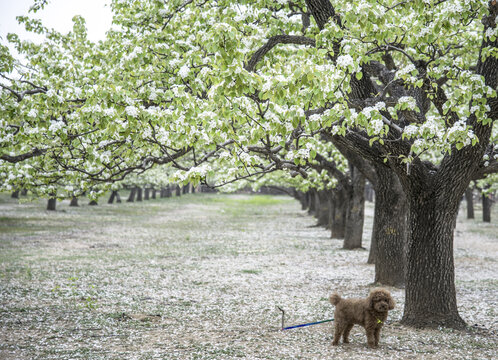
430, 287
353, 233
469, 198
74, 201
338, 216
131, 197
113, 196
486, 208
322, 213
51, 204
390, 229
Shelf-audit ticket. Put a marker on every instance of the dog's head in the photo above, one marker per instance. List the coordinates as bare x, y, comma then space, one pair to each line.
380, 300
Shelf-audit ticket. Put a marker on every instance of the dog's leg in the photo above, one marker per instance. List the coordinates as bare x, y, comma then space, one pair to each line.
339, 328
371, 338
377, 336
345, 336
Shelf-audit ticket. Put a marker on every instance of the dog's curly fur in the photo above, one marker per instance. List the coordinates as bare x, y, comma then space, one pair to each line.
371, 313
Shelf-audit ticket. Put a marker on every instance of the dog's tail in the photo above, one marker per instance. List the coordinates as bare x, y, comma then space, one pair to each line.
335, 298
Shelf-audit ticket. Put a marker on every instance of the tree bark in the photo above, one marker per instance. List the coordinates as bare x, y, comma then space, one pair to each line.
74, 201
93, 203
353, 233
131, 197
372, 254
302, 200
178, 190
430, 299
369, 192
390, 229
469, 198
139, 194
146, 194
153, 193
15, 194
311, 202
322, 209
51, 204
486, 208
338, 216
112, 197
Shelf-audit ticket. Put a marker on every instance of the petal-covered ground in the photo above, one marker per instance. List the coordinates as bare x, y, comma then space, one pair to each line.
201, 276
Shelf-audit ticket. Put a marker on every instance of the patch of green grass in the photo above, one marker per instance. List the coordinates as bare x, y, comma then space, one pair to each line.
249, 271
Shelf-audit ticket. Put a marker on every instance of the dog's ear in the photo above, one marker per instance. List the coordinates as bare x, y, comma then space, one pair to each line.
391, 303
371, 301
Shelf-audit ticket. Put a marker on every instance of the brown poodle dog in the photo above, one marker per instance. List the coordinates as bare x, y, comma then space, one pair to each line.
371, 313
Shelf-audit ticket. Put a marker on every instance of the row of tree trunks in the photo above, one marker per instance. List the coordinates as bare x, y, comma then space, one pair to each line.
486, 208
135, 195
355, 211
487, 203
114, 196
388, 244
341, 210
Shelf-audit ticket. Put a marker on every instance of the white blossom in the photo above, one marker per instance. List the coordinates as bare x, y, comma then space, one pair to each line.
184, 71
345, 60
410, 130
131, 111
409, 101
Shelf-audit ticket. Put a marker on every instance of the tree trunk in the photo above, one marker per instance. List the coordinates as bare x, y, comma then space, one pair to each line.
51, 204
430, 299
372, 254
469, 197
93, 203
369, 192
131, 197
390, 229
167, 191
146, 194
74, 201
311, 202
302, 199
355, 212
139, 194
153, 193
178, 190
486, 208
112, 197
322, 209
15, 194
338, 216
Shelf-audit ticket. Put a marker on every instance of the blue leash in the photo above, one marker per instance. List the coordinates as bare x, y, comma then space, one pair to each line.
299, 326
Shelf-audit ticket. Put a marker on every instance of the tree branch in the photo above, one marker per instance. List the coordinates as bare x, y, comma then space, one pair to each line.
272, 42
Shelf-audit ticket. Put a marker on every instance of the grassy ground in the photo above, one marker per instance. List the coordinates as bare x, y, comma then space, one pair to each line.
199, 277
